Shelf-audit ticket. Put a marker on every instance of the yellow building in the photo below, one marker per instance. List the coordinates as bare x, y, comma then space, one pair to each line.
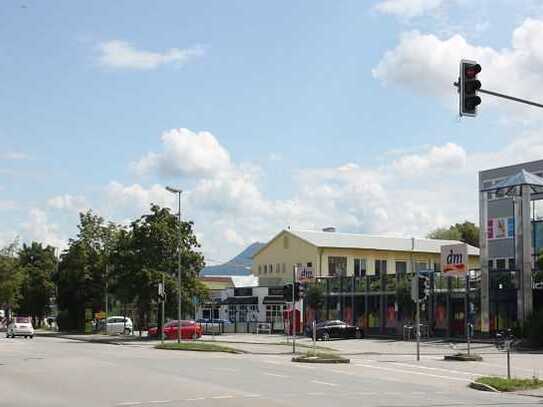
332, 254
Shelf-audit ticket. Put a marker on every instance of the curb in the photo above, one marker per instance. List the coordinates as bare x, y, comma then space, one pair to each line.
301, 359
483, 387
463, 358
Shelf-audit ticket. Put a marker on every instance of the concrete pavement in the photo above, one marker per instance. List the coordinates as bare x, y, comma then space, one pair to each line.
60, 372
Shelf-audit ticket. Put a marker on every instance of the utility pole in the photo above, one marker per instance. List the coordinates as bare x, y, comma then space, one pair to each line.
294, 272
163, 300
178, 192
107, 298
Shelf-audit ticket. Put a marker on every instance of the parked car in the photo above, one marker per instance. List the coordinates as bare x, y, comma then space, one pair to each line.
119, 325
189, 330
20, 326
326, 330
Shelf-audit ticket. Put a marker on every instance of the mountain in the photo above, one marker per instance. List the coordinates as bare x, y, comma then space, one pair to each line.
238, 266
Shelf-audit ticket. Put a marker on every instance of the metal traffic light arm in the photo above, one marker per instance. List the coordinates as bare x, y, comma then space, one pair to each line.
503, 96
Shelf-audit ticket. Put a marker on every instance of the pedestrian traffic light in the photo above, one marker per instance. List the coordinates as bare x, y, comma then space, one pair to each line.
469, 85
423, 291
298, 291
287, 292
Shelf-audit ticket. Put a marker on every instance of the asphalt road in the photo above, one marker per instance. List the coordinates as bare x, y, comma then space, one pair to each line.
59, 372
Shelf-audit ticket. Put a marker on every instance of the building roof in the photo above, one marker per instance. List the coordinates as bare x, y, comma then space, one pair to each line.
221, 282
360, 241
521, 178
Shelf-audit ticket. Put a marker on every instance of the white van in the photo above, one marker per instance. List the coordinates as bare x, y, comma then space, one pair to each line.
119, 325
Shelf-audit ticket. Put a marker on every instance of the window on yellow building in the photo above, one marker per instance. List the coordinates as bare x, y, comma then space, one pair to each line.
359, 267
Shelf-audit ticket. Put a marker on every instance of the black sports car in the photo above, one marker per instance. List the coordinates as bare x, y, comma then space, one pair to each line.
336, 329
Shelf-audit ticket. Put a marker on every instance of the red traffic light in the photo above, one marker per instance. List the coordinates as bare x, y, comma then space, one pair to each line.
472, 71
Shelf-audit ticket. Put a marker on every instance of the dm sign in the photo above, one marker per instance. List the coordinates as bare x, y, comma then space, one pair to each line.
454, 259
304, 274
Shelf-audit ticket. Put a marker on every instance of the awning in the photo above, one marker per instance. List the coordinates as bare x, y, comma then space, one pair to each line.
274, 299
240, 300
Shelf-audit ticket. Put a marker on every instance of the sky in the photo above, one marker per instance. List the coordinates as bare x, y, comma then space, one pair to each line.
268, 115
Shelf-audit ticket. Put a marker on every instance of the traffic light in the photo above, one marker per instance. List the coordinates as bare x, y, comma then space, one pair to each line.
298, 291
469, 85
423, 291
287, 292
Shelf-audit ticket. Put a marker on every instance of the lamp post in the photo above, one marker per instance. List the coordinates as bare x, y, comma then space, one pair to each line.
178, 192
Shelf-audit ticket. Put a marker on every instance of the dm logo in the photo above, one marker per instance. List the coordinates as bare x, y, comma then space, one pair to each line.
454, 259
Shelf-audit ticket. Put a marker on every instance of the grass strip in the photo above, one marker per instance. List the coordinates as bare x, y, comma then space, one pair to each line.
198, 347
503, 384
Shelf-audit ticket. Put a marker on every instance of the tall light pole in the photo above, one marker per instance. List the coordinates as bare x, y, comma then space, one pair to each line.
178, 192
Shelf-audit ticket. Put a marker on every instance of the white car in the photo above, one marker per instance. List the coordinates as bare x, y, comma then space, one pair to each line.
119, 325
20, 326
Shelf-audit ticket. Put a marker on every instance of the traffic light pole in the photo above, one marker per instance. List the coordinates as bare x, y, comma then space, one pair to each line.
418, 329
503, 96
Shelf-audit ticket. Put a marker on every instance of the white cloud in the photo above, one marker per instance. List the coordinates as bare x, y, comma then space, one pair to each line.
133, 200
186, 153
68, 202
450, 157
407, 8
13, 155
230, 209
516, 70
38, 228
118, 54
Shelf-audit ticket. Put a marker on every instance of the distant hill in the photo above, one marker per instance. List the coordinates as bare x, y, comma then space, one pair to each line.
238, 266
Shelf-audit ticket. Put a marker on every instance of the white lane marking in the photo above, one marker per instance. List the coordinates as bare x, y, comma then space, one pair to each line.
324, 383
275, 375
305, 367
225, 369
226, 396
252, 395
195, 399
316, 393
159, 401
271, 362
130, 403
413, 372
433, 368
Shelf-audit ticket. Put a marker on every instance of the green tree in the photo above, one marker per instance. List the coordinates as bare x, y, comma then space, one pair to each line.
81, 276
38, 264
466, 232
147, 251
11, 277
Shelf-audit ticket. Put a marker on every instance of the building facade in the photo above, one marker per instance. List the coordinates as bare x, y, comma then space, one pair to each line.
511, 237
365, 280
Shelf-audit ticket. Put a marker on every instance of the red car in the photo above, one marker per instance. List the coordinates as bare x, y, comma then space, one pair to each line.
189, 330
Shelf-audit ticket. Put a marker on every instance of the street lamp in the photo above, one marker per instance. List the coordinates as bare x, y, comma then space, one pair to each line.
178, 192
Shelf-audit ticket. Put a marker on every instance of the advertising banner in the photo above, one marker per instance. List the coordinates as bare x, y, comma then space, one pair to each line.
500, 228
454, 259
